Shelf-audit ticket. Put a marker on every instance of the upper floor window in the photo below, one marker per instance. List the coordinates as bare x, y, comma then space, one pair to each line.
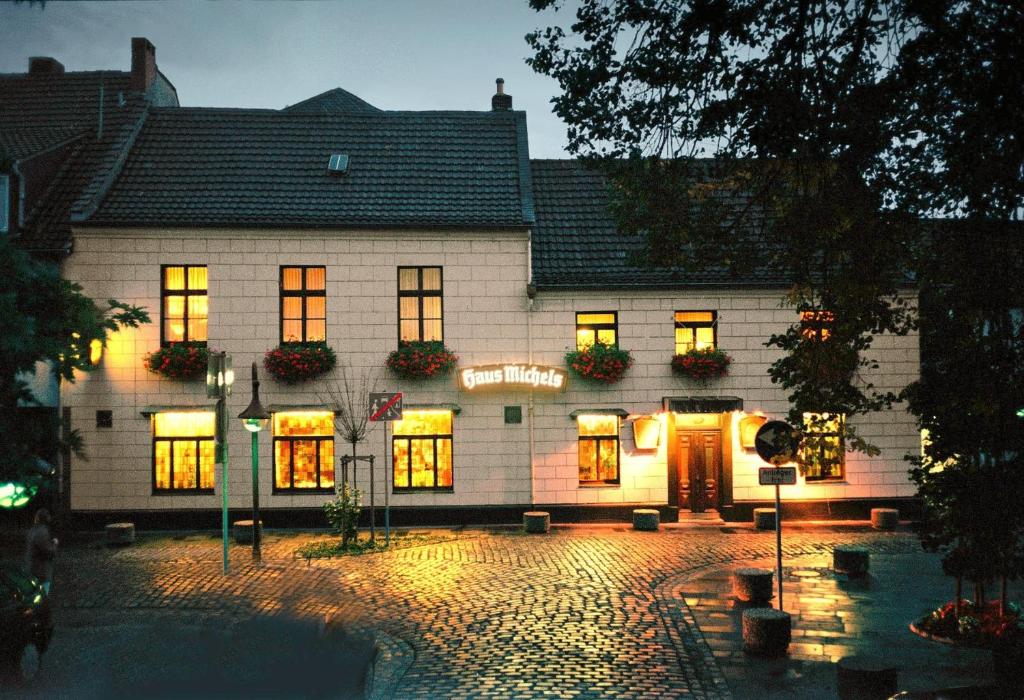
183, 304
421, 450
696, 330
596, 327
816, 325
420, 315
823, 453
183, 451
303, 450
303, 304
598, 449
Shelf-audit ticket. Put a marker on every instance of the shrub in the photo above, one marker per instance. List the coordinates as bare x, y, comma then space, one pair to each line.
292, 363
179, 361
343, 512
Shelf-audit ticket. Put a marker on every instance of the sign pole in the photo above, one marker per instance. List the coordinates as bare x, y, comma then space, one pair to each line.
222, 421
387, 489
778, 542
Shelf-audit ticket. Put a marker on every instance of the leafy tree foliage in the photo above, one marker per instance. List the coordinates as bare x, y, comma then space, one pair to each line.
43, 318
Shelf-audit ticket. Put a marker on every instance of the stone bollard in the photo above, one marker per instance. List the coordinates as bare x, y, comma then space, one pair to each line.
764, 518
120, 534
752, 585
866, 677
766, 631
849, 560
646, 519
241, 530
536, 521
884, 518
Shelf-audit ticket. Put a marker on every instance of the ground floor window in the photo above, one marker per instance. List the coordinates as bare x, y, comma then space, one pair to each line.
421, 450
823, 453
183, 452
598, 449
303, 451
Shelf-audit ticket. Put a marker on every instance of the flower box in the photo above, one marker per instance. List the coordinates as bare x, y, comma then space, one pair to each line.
600, 363
182, 361
701, 365
417, 359
292, 363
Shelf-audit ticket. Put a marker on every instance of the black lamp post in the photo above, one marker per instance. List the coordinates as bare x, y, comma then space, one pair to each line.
255, 418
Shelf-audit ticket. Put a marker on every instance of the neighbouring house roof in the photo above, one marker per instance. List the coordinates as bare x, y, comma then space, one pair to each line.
336, 101
577, 245
247, 167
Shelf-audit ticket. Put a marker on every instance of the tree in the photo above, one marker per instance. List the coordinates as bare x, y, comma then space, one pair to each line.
43, 318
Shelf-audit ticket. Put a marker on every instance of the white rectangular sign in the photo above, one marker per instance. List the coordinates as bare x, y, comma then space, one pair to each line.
777, 476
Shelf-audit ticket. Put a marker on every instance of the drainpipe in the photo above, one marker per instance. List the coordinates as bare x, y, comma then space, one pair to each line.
531, 293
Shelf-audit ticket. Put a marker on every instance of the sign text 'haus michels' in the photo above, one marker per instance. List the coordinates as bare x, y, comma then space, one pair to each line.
512, 376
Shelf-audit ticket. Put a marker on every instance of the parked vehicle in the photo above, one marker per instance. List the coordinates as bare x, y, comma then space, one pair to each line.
26, 623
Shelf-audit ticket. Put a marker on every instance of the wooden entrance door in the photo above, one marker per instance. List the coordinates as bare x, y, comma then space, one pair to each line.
699, 466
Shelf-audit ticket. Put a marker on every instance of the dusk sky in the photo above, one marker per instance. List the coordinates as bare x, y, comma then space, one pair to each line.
395, 54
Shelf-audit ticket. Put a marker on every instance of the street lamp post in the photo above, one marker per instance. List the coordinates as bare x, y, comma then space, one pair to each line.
254, 418
219, 379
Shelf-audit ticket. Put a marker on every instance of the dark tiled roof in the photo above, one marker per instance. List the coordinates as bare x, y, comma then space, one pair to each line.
233, 167
576, 244
336, 101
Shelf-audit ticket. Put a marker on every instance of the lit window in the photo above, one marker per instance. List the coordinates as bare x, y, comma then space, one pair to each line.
598, 449
183, 451
420, 314
749, 426
421, 450
816, 325
303, 450
303, 304
823, 454
183, 304
695, 330
601, 327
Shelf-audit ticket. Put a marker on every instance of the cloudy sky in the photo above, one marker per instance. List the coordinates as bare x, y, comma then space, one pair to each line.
395, 54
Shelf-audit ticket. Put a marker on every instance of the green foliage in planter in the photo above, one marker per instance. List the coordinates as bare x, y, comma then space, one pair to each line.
702, 365
343, 512
418, 359
292, 363
179, 361
600, 363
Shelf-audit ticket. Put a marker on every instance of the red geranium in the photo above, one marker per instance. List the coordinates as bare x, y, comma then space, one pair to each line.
701, 365
600, 363
417, 359
292, 363
182, 361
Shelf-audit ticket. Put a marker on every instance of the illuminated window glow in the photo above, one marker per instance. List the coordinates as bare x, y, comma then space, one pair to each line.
695, 330
303, 450
183, 451
601, 327
184, 304
598, 449
303, 304
421, 450
420, 314
823, 453
816, 325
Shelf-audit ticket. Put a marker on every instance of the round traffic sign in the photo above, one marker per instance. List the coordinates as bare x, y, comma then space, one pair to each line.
777, 442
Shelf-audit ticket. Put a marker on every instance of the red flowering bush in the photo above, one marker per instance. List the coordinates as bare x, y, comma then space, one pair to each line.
419, 359
292, 363
702, 365
179, 361
978, 625
600, 363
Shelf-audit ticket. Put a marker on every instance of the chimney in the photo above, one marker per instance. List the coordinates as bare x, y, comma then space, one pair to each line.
44, 65
143, 64
501, 102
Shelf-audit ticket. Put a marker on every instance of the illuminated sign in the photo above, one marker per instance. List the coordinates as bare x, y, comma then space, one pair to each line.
513, 376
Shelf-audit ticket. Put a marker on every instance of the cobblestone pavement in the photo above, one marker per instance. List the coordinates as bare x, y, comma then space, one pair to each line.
581, 613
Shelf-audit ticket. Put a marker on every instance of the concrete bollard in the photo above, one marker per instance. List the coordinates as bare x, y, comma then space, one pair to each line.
766, 631
241, 530
866, 677
849, 560
752, 585
884, 518
646, 519
536, 521
120, 534
764, 518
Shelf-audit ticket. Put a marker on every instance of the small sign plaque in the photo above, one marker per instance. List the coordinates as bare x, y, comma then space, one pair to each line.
386, 407
776, 476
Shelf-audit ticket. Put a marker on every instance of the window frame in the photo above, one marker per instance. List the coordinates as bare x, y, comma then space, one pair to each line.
171, 490
302, 294
395, 488
419, 294
841, 445
186, 292
597, 454
694, 325
595, 327
319, 440
817, 324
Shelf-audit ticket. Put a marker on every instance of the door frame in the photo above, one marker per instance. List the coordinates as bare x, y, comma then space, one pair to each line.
722, 422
